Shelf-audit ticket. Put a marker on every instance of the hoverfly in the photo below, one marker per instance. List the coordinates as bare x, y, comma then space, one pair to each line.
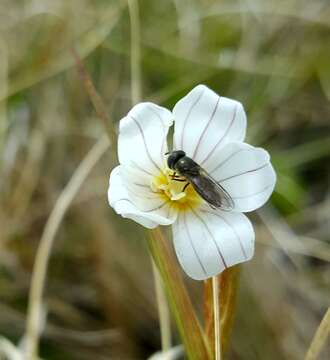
211, 191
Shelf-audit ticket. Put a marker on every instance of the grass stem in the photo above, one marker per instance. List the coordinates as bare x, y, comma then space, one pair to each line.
34, 312
320, 338
133, 8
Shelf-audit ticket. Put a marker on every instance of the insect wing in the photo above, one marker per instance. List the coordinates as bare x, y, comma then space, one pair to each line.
211, 191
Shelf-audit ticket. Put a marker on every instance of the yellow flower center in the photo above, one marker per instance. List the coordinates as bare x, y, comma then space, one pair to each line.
176, 189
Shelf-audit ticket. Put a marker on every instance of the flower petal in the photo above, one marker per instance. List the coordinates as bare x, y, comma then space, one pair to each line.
142, 137
120, 198
208, 241
246, 173
205, 122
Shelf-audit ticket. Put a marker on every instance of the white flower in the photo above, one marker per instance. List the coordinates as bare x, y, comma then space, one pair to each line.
211, 130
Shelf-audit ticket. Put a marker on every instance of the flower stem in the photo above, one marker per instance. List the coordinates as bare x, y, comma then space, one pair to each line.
163, 311
191, 333
216, 314
98, 103
136, 94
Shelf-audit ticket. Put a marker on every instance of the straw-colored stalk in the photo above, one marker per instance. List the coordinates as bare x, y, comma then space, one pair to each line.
34, 312
320, 338
216, 317
228, 286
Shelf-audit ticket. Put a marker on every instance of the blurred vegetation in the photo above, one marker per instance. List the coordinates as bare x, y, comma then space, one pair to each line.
99, 299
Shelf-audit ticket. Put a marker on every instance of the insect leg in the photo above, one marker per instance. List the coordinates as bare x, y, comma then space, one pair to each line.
176, 177
185, 187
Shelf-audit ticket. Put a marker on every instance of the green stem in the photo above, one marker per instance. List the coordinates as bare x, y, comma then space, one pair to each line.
189, 327
163, 311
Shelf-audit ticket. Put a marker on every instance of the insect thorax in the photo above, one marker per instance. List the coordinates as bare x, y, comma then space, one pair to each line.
187, 165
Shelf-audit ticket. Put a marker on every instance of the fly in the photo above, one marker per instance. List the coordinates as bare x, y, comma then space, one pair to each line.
211, 191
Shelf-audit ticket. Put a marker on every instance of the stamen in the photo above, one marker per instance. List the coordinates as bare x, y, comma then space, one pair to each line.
154, 187
169, 184
176, 197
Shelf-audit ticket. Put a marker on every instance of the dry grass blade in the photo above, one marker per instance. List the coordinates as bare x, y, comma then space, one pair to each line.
86, 44
3, 90
320, 338
96, 99
135, 51
47, 239
8, 350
